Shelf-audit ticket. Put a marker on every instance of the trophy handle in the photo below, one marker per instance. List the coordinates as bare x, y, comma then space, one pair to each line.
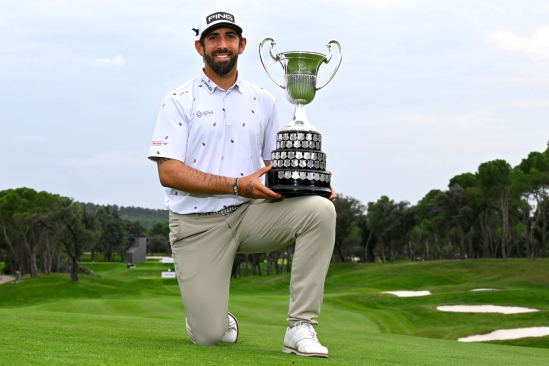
276, 58
329, 46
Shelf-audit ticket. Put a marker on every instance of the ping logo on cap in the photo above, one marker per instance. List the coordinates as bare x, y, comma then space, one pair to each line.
219, 16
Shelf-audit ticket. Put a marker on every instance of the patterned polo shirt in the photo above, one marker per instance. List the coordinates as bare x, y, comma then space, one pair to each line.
221, 132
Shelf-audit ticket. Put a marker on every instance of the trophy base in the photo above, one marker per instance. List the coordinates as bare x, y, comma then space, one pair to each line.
292, 187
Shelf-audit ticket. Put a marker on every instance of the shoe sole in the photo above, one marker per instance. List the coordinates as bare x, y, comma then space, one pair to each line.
287, 349
237, 327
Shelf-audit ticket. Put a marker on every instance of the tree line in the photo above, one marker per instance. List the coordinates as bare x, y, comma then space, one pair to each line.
45, 232
499, 211
148, 217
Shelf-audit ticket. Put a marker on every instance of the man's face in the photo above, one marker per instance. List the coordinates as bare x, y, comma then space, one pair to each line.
220, 49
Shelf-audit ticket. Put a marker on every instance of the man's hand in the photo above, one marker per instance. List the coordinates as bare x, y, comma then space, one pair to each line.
334, 193
251, 187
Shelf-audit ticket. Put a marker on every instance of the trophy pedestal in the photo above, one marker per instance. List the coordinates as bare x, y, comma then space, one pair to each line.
299, 165
290, 187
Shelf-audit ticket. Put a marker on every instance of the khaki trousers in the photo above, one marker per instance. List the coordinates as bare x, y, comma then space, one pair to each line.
204, 248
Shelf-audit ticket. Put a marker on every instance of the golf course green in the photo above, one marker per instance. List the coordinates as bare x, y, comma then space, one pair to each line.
126, 316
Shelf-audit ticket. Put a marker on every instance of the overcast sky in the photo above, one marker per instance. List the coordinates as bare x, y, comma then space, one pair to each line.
427, 89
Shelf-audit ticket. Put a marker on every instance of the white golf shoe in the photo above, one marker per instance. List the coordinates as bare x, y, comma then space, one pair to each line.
301, 340
232, 334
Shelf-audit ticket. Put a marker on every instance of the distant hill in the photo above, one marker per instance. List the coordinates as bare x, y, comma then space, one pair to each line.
147, 216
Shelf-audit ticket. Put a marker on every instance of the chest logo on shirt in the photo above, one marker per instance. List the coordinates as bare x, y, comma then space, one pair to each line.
201, 114
157, 143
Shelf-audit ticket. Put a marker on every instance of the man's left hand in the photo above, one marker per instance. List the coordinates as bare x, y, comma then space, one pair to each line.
334, 193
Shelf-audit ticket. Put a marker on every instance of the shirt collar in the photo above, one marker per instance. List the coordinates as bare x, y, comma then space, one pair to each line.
210, 86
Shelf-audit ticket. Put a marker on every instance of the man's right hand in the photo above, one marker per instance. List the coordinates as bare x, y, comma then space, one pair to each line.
251, 187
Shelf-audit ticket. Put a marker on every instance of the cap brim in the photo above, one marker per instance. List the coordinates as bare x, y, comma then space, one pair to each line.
221, 25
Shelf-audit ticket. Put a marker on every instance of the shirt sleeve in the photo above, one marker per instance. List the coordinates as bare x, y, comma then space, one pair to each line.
273, 127
171, 132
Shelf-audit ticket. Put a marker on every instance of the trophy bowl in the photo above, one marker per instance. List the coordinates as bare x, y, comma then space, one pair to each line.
298, 161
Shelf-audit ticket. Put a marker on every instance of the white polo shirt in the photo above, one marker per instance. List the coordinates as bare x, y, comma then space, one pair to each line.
227, 133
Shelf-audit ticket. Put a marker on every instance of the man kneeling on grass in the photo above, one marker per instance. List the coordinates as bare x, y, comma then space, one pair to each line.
209, 140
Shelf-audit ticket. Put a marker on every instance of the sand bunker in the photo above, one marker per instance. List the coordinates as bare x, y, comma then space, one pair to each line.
484, 289
485, 309
408, 293
503, 334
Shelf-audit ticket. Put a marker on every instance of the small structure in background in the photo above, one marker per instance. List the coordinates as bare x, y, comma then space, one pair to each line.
137, 252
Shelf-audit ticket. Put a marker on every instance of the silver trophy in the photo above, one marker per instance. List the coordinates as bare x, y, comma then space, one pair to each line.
299, 165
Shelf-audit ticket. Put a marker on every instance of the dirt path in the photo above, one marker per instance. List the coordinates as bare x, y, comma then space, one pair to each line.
6, 279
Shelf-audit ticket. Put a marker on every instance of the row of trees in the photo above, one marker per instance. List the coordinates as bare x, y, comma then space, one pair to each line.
146, 216
499, 211
44, 232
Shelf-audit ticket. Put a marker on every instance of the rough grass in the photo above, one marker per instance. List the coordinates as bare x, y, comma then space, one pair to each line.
132, 316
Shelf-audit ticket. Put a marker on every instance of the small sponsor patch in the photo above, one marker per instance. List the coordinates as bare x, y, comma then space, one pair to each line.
200, 114
157, 143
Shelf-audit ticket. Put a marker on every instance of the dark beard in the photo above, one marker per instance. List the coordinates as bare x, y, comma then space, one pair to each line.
223, 67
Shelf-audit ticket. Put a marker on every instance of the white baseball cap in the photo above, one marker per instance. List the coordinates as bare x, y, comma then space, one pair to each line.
216, 18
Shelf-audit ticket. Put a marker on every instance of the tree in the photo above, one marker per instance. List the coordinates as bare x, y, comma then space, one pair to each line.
160, 228
456, 207
530, 181
376, 221
348, 210
389, 225
494, 182
158, 244
429, 222
78, 230
21, 218
113, 233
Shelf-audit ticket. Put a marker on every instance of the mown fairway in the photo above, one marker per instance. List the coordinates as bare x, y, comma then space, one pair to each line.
132, 317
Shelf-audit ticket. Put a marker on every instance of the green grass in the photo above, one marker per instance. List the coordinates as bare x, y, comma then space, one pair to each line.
132, 316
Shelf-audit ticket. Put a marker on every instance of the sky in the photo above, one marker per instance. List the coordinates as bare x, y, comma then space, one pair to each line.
427, 89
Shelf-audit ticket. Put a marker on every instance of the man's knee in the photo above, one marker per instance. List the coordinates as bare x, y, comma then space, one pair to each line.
207, 340
324, 209
206, 335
